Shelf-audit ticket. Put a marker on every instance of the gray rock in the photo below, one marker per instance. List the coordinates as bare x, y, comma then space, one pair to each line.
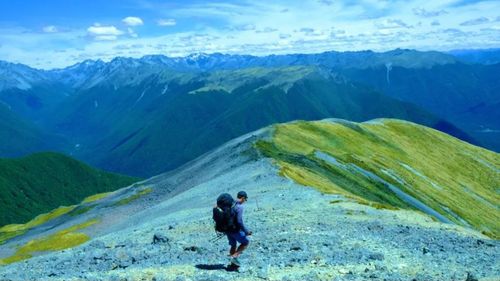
376, 256
97, 244
263, 272
160, 239
471, 277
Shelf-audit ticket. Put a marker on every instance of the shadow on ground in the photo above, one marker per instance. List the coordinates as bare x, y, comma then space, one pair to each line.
216, 267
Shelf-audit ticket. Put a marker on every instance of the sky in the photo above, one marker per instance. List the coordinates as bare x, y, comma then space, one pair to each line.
57, 33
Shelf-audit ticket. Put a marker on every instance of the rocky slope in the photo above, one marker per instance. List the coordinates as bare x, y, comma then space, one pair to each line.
300, 232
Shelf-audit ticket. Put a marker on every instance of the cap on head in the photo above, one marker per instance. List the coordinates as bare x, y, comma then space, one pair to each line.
242, 194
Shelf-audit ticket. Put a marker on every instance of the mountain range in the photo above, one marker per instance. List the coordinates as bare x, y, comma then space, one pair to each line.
160, 112
145, 116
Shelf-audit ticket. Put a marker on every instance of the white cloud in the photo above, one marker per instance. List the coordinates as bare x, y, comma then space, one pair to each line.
391, 23
132, 33
106, 37
166, 22
50, 29
267, 30
132, 21
98, 29
266, 27
427, 14
104, 33
476, 21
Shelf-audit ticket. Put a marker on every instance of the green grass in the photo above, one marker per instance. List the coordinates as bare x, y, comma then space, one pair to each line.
81, 210
95, 197
437, 169
133, 197
41, 182
12, 230
60, 240
229, 80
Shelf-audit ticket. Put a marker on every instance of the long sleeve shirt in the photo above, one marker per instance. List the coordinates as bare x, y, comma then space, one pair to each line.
239, 217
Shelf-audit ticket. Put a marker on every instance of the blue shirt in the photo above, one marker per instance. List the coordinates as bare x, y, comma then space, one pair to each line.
239, 215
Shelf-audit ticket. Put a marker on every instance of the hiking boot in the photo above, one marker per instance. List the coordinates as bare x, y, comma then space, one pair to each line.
235, 261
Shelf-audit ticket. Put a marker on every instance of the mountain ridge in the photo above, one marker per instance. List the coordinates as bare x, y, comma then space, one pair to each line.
312, 234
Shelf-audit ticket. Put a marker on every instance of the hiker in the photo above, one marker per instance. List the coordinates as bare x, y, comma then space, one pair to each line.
228, 217
242, 233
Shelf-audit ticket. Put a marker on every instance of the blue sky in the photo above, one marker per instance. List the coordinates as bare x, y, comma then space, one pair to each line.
56, 33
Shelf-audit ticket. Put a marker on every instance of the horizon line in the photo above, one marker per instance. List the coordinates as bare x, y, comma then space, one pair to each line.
448, 52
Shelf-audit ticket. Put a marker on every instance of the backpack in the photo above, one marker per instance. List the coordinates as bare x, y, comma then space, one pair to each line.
224, 215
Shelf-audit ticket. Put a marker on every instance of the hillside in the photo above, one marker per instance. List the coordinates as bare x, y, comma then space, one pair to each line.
395, 164
21, 137
464, 94
329, 200
159, 112
167, 119
40, 182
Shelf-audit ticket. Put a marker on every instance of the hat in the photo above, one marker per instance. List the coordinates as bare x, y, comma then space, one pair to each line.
242, 194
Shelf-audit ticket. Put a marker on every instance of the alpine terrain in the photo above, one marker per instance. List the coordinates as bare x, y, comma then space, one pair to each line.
328, 200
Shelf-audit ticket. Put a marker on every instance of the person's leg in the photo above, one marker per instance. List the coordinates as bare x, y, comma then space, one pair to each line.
243, 240
232, 250
240, 250
232, 243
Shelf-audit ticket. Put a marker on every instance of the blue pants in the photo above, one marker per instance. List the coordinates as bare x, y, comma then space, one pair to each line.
239, 237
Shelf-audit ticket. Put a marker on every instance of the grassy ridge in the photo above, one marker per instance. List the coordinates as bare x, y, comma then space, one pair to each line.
456, 179
44, 181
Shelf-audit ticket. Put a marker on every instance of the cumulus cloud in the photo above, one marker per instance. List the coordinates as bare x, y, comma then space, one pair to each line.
285, 36
132, 21
49, 29
266, 30
306, 30
245, 27
427, 14
475, 21
166, 22
132, 33
326, 2
391, 23
105, 33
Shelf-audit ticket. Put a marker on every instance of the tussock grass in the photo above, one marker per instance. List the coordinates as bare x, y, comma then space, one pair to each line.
60, 240
95, 197
12, 230
437, 169
133, 197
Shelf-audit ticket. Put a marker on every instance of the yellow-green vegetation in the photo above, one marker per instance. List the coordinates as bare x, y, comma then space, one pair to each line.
133, 197
458, 180
63, 239
81, 209
229, 80
96, 197
12, 230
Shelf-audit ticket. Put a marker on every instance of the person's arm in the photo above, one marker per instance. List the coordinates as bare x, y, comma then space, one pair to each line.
240, 220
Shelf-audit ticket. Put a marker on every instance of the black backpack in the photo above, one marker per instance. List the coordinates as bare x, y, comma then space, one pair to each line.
224, 214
